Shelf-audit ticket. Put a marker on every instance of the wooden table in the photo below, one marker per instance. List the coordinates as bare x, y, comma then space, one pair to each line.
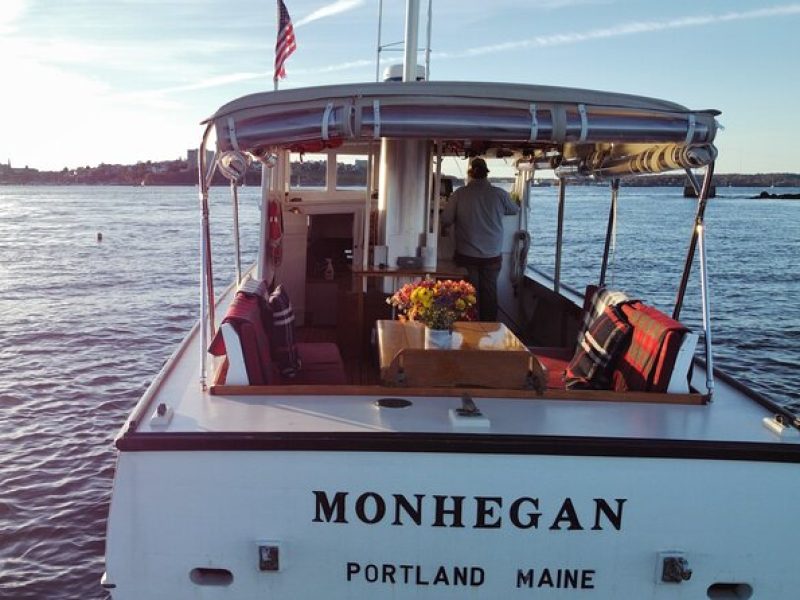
482, 354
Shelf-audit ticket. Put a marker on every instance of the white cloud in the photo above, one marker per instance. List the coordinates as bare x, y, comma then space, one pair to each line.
329, 10
210, 82
623, 29
10, 12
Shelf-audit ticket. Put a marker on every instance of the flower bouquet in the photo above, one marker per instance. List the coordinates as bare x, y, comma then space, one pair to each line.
436, 304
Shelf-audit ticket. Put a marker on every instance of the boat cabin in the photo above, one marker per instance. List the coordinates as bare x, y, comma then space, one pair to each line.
352, 191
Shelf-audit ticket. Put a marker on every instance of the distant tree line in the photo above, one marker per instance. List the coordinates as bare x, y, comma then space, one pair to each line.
308, 173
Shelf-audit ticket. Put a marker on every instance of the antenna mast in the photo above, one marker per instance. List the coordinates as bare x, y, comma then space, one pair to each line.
409, 45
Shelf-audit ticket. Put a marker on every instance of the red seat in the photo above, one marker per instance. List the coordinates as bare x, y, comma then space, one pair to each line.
555, 359
321, 362
244, 315
647, 362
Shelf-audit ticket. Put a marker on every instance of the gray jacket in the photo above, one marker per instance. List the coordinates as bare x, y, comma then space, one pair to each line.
477, 210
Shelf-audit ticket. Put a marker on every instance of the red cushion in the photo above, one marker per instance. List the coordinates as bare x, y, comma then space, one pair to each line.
321, 364
244, 314
555, 359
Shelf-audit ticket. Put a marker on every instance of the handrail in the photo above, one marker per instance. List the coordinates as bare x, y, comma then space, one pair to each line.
206, 275
610, 230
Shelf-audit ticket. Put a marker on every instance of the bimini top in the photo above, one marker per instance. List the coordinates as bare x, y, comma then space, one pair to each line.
595, 132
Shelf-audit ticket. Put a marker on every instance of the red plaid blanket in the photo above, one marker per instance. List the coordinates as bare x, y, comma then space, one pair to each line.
648, 362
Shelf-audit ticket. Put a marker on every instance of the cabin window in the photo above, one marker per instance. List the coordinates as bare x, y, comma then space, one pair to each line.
351, 172
308, 171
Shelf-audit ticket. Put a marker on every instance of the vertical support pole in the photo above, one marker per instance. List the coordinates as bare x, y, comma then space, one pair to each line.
236, 240
437, 190
428, 44
562, 191
612, 225
263, 267
525, 198
204, 329
704, 290
431, 256
206, 279
378, 53
367, 215
412, 30
702, 200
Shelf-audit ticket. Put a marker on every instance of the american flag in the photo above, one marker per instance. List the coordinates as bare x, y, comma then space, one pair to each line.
286, 41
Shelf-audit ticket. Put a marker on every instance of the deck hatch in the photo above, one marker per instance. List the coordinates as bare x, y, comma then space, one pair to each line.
393, 403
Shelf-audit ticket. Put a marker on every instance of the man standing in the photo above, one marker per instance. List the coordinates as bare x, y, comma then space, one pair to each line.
477, 211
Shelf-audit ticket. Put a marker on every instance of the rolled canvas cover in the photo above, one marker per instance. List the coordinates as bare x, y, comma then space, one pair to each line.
603, 133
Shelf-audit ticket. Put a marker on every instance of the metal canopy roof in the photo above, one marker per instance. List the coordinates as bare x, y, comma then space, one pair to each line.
599, 132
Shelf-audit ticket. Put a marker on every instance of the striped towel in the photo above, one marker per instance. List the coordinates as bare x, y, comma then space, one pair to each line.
282, 344
601, 299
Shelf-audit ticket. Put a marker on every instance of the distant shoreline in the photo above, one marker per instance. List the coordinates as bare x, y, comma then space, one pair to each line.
180, 173
772, 196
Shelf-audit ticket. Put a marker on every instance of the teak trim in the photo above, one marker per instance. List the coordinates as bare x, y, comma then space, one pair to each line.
511, 394
218, 388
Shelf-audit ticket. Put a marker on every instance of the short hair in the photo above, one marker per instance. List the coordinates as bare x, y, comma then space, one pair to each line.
478, 168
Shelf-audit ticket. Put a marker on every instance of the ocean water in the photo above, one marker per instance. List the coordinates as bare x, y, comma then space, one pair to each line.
85, 324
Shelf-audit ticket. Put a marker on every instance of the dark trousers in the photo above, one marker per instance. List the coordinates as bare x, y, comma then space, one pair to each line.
484, 278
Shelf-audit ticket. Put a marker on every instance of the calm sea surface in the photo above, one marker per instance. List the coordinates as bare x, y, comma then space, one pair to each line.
85, 324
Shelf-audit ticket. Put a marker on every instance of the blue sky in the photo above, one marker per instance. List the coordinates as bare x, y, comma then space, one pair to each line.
119, 81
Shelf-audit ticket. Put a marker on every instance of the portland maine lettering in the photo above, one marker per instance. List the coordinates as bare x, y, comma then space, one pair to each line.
475, 512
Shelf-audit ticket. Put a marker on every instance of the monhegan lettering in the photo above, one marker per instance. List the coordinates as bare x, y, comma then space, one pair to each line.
615, 518
475, 512
378, 508
485, 512
325, 508
413, 512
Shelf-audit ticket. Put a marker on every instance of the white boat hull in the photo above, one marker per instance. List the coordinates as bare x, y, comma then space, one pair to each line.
529, 526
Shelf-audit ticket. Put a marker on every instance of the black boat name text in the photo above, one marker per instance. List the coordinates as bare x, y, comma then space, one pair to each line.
475, 512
